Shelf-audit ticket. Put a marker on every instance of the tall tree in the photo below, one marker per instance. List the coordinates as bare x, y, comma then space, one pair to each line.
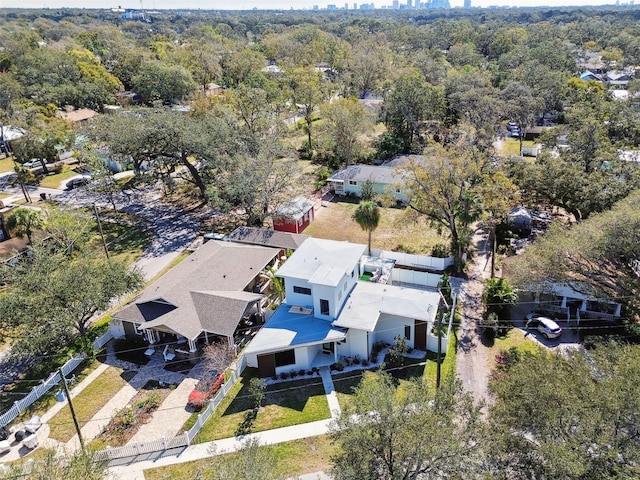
161, 81
23, 222
408, 102
367, 215
381, 434
571, 416
445, 189
345, 122
310, 90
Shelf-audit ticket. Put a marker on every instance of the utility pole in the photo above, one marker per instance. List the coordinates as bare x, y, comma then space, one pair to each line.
439, 355
73, 412
104, 244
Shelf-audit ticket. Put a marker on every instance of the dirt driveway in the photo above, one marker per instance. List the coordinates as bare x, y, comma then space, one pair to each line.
473, 365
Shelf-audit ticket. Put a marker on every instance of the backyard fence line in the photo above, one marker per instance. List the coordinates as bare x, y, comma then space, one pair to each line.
38, 391
182, 440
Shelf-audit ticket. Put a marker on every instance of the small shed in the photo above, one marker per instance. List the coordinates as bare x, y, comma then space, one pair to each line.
294, 216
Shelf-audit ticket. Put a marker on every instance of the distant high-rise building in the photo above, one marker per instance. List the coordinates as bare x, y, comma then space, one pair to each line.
355, 6
408, 3
315, 7
467, 3
396, 4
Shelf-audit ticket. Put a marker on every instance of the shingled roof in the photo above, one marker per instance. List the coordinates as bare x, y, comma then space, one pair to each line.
205, 292
268, 238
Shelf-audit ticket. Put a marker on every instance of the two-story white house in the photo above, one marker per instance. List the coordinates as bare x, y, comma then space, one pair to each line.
329, 313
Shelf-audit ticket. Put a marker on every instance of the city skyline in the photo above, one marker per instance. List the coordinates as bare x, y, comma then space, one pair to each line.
279, 4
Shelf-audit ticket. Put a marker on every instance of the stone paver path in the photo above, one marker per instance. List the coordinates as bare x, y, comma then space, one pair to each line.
169, 418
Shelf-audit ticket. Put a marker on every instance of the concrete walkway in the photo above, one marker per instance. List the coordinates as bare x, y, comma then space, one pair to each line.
330, 390
170, 416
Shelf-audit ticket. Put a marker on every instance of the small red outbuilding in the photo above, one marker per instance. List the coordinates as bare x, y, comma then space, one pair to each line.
294, 216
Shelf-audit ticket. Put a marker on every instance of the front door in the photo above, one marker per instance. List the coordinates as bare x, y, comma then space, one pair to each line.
420, 340
267, 365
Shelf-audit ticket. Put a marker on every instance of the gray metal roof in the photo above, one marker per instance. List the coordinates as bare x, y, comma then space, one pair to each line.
294, 208
360, 173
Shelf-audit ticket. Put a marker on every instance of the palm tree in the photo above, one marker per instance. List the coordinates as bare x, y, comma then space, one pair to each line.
368, 216
23, 221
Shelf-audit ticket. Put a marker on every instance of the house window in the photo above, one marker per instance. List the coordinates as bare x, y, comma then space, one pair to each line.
137, 329
339, 296
288, 357
353, 182
302, 290
398, 190
407, 332
324, 307
345, 283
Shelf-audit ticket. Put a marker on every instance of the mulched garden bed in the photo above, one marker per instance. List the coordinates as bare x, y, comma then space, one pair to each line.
124, 425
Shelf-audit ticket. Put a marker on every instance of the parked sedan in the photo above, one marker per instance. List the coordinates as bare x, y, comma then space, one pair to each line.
547, 327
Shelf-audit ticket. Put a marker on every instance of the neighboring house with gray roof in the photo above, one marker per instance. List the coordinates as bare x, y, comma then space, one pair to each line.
385, 179
267, 238
203, 297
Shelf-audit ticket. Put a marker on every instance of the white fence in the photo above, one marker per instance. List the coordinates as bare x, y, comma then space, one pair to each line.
400, 275
415, 261
54, 378
182, 440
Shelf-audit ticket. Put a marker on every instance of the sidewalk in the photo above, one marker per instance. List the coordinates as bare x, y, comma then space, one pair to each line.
135, 471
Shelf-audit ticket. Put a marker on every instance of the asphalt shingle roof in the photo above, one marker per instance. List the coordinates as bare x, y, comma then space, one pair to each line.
206, 291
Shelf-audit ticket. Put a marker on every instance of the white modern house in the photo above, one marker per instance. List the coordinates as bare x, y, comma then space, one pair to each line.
330, 313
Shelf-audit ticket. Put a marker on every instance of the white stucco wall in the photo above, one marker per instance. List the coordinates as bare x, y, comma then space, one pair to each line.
391, 326
298, 299
357, 344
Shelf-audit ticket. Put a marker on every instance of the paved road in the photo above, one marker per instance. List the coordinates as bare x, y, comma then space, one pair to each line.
173, 228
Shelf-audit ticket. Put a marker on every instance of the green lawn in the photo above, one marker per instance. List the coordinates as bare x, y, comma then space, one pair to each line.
57, 180
511, 146
293, 458
86, 404
515, 338
124, 241
286, 403
6, 164
425, 368
334, 221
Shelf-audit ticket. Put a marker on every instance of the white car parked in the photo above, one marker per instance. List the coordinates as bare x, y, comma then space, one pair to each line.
547, 327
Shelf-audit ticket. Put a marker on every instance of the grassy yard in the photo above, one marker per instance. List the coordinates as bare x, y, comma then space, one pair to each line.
515, 338
57, 180
286, 403
125, 242
87, 403
292, 458
511, 146
425, 368
6, 164
334, 220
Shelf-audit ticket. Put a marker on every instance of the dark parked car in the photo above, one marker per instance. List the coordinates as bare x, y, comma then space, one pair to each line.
78, 182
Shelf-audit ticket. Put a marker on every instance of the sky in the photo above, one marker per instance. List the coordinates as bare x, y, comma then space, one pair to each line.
271, 4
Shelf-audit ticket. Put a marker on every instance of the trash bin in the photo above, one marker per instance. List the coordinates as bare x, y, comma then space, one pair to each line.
60, 396
43, 196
